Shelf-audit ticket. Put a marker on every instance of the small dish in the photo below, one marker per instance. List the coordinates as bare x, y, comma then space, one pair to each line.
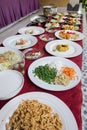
33, 53
51, 30
46, 37
39, 19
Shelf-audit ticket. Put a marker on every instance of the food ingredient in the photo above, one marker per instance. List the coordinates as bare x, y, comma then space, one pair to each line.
21, 42
34, 115
62, 47
45, 73
7, 59
70, 72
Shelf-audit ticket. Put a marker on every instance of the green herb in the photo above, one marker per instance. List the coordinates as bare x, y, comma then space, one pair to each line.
54, 49
45, 73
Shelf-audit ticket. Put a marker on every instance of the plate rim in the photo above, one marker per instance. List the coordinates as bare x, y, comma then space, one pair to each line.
40, 96
43, 30
15, 91
46, 86
78, 39
34, 39
65, 56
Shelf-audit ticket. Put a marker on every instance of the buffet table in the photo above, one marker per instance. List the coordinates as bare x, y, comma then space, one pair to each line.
73, 97
12, 10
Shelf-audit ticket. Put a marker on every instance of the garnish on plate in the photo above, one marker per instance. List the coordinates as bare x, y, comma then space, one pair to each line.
21, 41
68, 35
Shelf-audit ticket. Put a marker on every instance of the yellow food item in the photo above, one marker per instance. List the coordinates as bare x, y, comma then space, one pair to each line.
70, 27
64, 35
33, 115
62, 47
68, 35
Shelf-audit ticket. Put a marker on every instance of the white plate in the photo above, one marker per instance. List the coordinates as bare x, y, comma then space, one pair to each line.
74, 48
69, 122
11, 41
11, 83
33, 30
81, 36
50, 60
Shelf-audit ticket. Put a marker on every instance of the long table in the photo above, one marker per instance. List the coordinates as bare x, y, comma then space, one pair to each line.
73, 98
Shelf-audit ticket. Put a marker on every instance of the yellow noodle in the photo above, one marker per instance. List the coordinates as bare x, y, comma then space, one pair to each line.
33, 115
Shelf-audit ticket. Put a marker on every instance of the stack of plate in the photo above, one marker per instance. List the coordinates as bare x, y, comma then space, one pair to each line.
11, 82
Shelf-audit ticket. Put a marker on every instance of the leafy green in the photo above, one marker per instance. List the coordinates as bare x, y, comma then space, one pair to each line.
45, 73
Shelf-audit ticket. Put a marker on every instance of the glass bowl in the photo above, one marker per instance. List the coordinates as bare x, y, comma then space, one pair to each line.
19, 65
47, 37
13, 59
51, 30
33, 53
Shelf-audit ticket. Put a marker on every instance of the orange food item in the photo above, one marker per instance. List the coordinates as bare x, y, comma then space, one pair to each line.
70, 72
21, 42
64, 35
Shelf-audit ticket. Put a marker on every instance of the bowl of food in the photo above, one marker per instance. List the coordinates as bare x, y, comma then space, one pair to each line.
33, 53
38, 19
51, 30
47, 37
11, 59
49, 10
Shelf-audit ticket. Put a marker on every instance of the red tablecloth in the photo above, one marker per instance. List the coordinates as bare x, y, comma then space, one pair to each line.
72, 97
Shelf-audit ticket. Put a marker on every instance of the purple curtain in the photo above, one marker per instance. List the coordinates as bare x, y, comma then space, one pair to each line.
12, 10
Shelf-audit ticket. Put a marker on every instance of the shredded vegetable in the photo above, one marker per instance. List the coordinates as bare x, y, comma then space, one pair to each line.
70, 72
